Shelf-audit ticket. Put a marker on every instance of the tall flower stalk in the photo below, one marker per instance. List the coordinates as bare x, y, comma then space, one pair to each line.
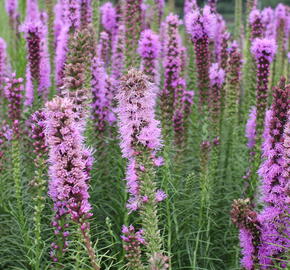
172, 68
263, 50
255, 30
38, 69
39, 182
140, 135
11, 9
77, 69
281, 20
118, 54
13, 91
68, 171
3, 66
149, 50
230, 115
274, 176
200, 28
238, 20
132, 21
86, 13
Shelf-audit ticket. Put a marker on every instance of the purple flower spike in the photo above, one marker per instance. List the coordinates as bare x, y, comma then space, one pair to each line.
201, 28
65, 140
132, 245
149, 50
13, 91
86, 13
118, 55
3, 64
274, 217
33, 35
38, 133
255, 20
200, 25
72, 14
251, 128
109, 17
132, 130
172, 64
264, 48
268, 22
189, 6
104, 48
216, 75
11, 9
101, 102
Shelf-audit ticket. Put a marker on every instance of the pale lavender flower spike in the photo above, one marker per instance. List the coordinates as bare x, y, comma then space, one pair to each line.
109, 17
251, 128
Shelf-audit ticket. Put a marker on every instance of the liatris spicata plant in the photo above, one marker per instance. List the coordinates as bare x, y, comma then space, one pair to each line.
3, 65
11, 9
256, 30
118, 54
149, 50
104, 48
159, 5
13, 91
233, 82
132, 245
250, 133
199, 27
33, 36
77, 70
178, 116
238, 21
255, 22
232, 96
132, 21
251, 128
189, 6
68, 186
6, 134
38, 69
282, 33
72, 15
39, 182
268, 22
263, 50
86, 13
217, 77
274, 218
246, 220
100, 102
49, 5
224, 51
172, 66
109, 19
61, 54
218, 37
140, 134
45, 68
